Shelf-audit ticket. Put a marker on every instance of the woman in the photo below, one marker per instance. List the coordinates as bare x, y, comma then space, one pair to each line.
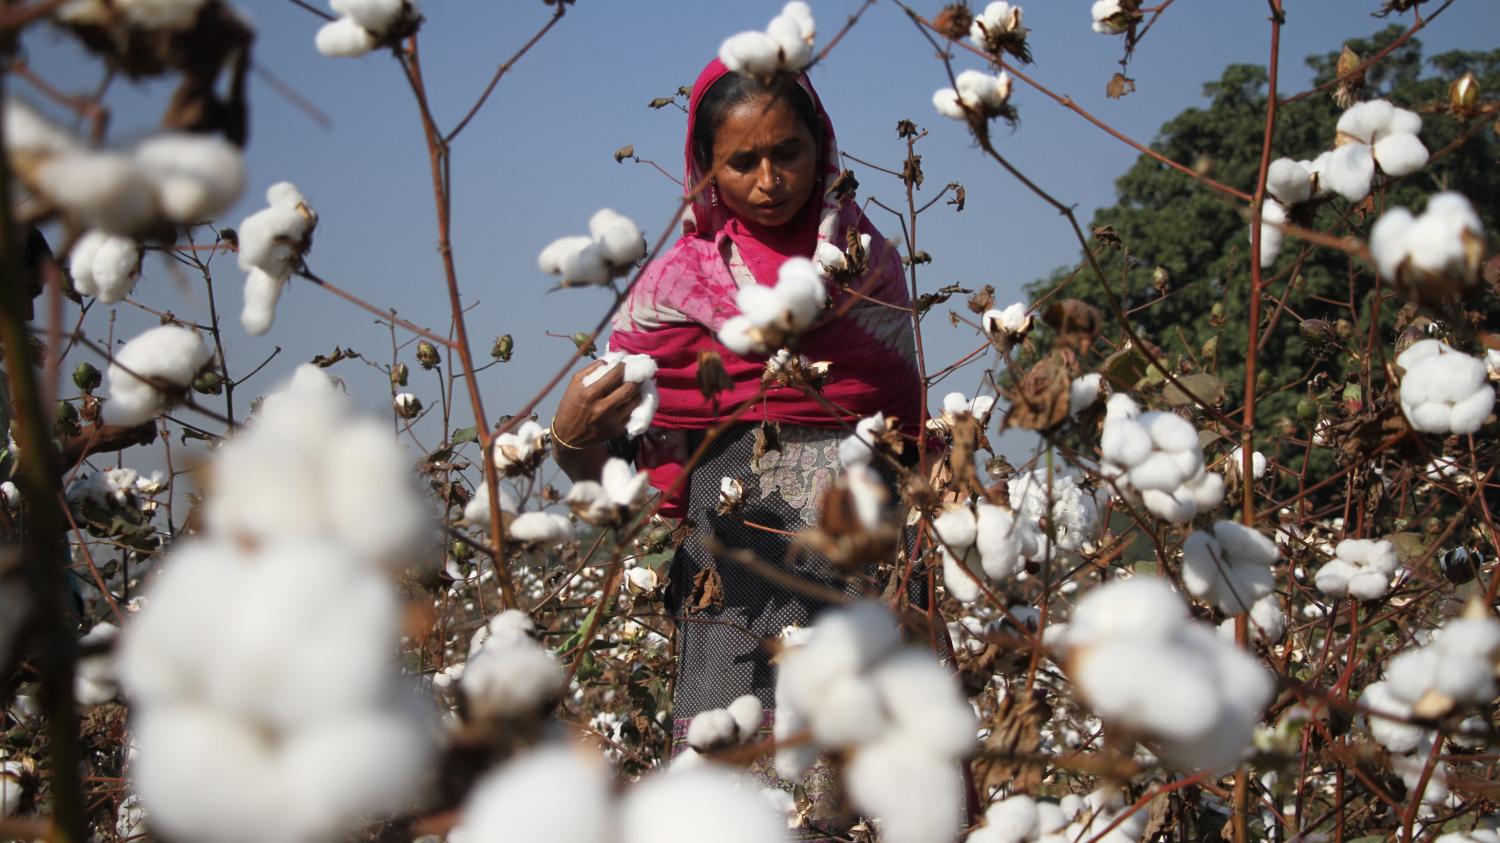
772, 198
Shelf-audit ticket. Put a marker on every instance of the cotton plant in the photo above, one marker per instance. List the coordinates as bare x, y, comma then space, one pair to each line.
786, 45
509, 677
1436, 255
638, 369
612, 247
363, 25
985, 541
1071, 511
1141, 663
152, 371
1229, 566
770, 316
105, 266
174, 178
564, 794
975, 94
1371, 135
1072, 819
1443, 390
269, 711
1155, 457
613, 498
893, 712
1360, 568
272, 243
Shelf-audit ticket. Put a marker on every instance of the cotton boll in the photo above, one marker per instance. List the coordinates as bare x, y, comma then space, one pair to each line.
104, 190
167, 353
541, 528
1013, 819
917, 795
1108, 17
857, 448
1158, 471
1399, 155
160, 14
204, 775
956, 527
1288, 181
262, 291
509, 682
762, 306
737, 335
960, 579
1170, 432
748, 715
1000, 541
477, 510
1333, 577
945, 100
1207, 490
196, 176
679, 807
273, 237
625, 486
801, 291
830, 257
924, 700
344, 38
618, 238
1178, 506
711, 730
105, 266
1349, 171
1125, 441
1469, 414
796, 51
28, 132
372, 505
869, 495
555, 794
751, 53
791, 761
1083, 392
1388, 241
1128, 680
848, 713
374, 15
641, 417
1272, 214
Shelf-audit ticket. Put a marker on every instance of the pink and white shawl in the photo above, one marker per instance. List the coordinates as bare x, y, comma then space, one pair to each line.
682, 299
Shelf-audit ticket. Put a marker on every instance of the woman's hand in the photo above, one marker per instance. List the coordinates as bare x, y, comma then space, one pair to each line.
592, 415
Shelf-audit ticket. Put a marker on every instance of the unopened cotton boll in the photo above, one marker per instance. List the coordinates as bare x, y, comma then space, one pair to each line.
620, 241
196, 176
344, 38
1442, 390
679, 806
1230, 567
105, 190
555, 794
167, 354
105, 266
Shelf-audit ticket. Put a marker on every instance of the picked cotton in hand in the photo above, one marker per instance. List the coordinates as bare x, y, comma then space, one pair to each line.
639, 369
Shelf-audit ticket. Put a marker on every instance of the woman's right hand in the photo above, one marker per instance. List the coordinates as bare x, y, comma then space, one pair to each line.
594, 414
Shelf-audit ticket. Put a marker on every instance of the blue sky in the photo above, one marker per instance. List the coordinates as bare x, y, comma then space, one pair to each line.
537, 161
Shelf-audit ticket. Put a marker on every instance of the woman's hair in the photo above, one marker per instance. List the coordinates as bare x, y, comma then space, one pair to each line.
733, 89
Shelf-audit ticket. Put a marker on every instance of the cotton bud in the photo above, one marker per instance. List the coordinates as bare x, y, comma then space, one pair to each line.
86, 377
427, 355
504, 346
408, 406
208, 382
400, 374
1463, 95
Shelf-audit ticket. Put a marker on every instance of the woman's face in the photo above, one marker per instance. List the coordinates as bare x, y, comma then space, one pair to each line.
770, 162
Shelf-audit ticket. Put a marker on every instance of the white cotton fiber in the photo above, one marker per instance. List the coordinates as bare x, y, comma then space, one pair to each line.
1348, 171
344, 38
555, 794
196, 176
167, 353
105, 190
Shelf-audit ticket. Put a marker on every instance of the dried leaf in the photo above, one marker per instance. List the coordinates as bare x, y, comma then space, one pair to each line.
844, 187
1205, 386
626, 151
712, 377
1076, 322
959, 196
1017, 733
1119, 86
767, 439
1040, 400
982, 300
708, 591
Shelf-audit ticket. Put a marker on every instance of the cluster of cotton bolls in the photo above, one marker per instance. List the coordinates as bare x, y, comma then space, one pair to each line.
1142, 663
613, 245
173, 178
613, 498
564, 794
1070, 510
769, 316
1022, 819
273, 241
105, 266
976, 93
1229, 567
1443, 390
1360, 568
1370, 134
508, 675
145, 375
1435, 255
1156, 457
988, 534
956, 406
362, 26
897, 714
785, 47
638, 369
262, 709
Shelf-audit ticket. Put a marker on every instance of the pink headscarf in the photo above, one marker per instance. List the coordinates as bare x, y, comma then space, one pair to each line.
684, 297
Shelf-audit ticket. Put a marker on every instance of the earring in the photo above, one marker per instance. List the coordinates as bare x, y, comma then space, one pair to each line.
713, 193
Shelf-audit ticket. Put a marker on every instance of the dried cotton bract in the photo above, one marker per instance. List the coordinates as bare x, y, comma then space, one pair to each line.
1360, 568
785, 47
1435, 257
1141, 663
1155, 456
897, 714
639, 369
614, 244
273, 241
1372, 134
770, 316
146, 374
362, 26
1230, 567
1442, 390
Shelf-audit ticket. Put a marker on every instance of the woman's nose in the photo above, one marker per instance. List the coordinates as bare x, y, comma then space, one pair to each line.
766, 178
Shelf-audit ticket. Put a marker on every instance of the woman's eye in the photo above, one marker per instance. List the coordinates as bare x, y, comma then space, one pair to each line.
741, 165
789, 151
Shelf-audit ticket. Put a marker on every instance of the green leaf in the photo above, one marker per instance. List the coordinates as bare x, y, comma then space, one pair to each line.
462, 436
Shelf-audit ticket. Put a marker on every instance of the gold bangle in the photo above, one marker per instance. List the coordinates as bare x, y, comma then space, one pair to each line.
552, 429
